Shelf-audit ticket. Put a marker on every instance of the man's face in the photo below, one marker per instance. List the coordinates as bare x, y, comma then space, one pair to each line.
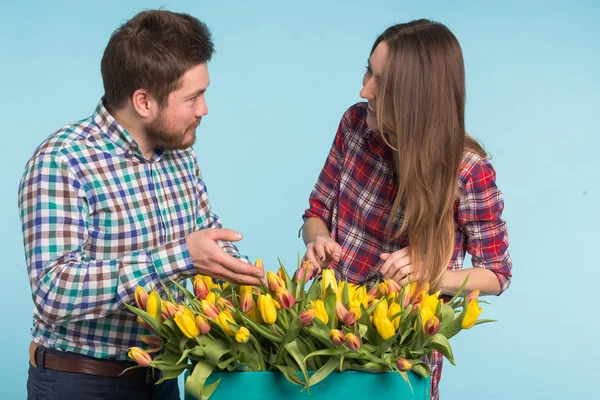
174, 128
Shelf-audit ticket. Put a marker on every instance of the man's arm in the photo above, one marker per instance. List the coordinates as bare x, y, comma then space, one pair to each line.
65, 284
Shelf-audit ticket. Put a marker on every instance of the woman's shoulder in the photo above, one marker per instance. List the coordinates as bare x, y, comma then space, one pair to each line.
355, 115
475, 170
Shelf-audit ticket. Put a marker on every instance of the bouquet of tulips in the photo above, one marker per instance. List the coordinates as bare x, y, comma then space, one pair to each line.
291, 327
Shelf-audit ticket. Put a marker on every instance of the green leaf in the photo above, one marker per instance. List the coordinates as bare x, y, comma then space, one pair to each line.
149, 319
290, 335
447, 315
324, 371
440, 343
194, 384
460, 290
290, 374
484, 321
292, 348
224, 364
262, 330
320, 335
326, 352
330, 300
172, 374
421, 369
345, 296
208, 390
215, 350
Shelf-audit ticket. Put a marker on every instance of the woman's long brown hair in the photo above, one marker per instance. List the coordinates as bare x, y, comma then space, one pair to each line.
421, 114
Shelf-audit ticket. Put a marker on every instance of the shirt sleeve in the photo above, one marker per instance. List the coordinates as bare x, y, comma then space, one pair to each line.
66, 284
480, 218
207, 219
324, 195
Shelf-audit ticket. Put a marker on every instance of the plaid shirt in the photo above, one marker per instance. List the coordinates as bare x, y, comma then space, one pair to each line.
99, 220
356, 190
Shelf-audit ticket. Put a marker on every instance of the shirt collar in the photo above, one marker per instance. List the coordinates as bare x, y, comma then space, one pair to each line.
113, 131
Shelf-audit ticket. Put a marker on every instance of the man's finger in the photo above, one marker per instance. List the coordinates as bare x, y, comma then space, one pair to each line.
225, 234
237, 266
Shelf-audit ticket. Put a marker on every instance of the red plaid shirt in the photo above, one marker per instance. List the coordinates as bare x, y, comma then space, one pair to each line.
355, 193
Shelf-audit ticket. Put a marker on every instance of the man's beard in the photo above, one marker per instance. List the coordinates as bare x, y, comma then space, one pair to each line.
162, 138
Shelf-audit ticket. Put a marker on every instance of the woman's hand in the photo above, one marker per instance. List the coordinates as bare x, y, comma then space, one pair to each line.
397, 266
322, 252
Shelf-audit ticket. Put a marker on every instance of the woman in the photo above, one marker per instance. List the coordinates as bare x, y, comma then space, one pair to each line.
402, 170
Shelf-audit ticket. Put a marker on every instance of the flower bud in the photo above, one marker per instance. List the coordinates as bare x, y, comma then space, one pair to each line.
200, 287
186, 324
337, 337
153, 305
285, 298
246, 302
350, 318
140, 356
394, 309
406, 297
381, 309
328, 280
168, 310
352, 341
202, 324
267, 309
274, 281
185, 310
143, 323
224, 304
305, 272
340, 311
209, 309
384, 327
141, 297
153, 341
432, 326
473, 295
223, 319
403, 365
259, 264
307, 316
211, 297
473, 311
319, 308
242, 335
281, 274
393, 288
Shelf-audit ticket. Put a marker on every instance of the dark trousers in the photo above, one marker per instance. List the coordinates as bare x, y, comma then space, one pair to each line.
47, 384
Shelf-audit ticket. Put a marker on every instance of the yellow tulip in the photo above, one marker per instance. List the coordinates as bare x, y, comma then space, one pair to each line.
267, 309
381, 310
355, 306
319, 308
187, 325
274, 281
242, 335
360, 294
140, 356
185, 310
212, 298
141, 297
384, 327
394, 309
200, 287
245, 289
473, 311
223, 320
328, 279
426, 314
431, 301
153, 306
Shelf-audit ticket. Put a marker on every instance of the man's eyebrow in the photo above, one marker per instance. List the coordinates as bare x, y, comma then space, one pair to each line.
200, 91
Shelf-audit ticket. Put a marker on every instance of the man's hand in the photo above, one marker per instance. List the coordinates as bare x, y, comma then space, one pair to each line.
397, 266
210, 260
322, 252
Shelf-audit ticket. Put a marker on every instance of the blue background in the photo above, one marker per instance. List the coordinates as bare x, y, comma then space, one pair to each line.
282, 76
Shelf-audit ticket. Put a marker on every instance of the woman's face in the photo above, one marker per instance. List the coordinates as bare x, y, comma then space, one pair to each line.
371, 81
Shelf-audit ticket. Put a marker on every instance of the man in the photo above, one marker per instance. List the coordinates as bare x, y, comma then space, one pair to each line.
116, 201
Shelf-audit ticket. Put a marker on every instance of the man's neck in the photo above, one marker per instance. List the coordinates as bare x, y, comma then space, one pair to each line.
133, 125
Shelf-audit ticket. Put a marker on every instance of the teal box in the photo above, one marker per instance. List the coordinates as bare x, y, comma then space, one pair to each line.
347, 384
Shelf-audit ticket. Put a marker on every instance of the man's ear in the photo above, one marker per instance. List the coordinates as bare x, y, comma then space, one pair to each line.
144, 103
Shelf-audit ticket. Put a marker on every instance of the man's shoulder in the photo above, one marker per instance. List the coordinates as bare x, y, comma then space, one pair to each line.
68, 140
